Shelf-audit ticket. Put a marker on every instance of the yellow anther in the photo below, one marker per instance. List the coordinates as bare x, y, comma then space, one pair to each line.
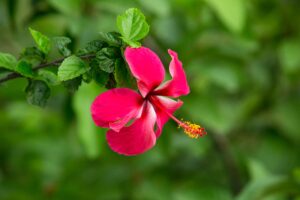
192, 130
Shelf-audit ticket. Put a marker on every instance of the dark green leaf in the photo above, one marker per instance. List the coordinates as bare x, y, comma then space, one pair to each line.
111, 83
122, 75
99, 76
61, 43
71, 67
42, 41
7, 61
37, 92
112, 38
132, 26
88, 76
92, 47
106, 58
24, 68
73, 84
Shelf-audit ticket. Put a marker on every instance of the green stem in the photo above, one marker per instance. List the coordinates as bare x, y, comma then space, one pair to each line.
14, 75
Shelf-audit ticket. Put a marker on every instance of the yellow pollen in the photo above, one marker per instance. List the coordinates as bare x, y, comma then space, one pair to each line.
192, 130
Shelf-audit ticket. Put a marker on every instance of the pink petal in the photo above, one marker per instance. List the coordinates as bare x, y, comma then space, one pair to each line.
146, 67
137, 138
178, 85
116, 107
163, 105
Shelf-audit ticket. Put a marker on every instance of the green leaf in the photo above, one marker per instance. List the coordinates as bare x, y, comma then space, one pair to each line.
88, 132
106, 58
48, 76
111, 83
7, 61
42, 41
32, 55
61, 43
112, 38
261, 189
132, 26
231, 12
161, 8
289, 55
92, 47
24, 68
122, 75
68, 7
71, 67
99, 76
37, 93
73, 84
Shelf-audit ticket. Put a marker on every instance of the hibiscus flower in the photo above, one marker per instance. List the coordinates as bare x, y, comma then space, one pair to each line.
135, 120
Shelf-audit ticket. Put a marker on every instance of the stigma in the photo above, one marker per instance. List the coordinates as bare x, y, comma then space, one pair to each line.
192, 130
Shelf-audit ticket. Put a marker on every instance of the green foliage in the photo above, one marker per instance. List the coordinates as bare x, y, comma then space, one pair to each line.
32, 55
42, 41
71, 67
37, 93
88, 133
73, 84
106, 58
289, 56
7, 61
231, 12
132, 26
61, 43
24, 68
122, 75
112, 38
92, 47
68, 7
48, 76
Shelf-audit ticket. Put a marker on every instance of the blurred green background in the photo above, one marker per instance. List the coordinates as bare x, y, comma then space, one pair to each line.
242, 60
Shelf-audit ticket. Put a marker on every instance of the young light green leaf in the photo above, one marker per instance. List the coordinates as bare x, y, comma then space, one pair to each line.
42, 41
24, 68
37, 93
7, 61
71, 67
61, 43
132, 26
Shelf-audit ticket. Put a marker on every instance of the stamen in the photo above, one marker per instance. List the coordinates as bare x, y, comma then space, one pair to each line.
192, 130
